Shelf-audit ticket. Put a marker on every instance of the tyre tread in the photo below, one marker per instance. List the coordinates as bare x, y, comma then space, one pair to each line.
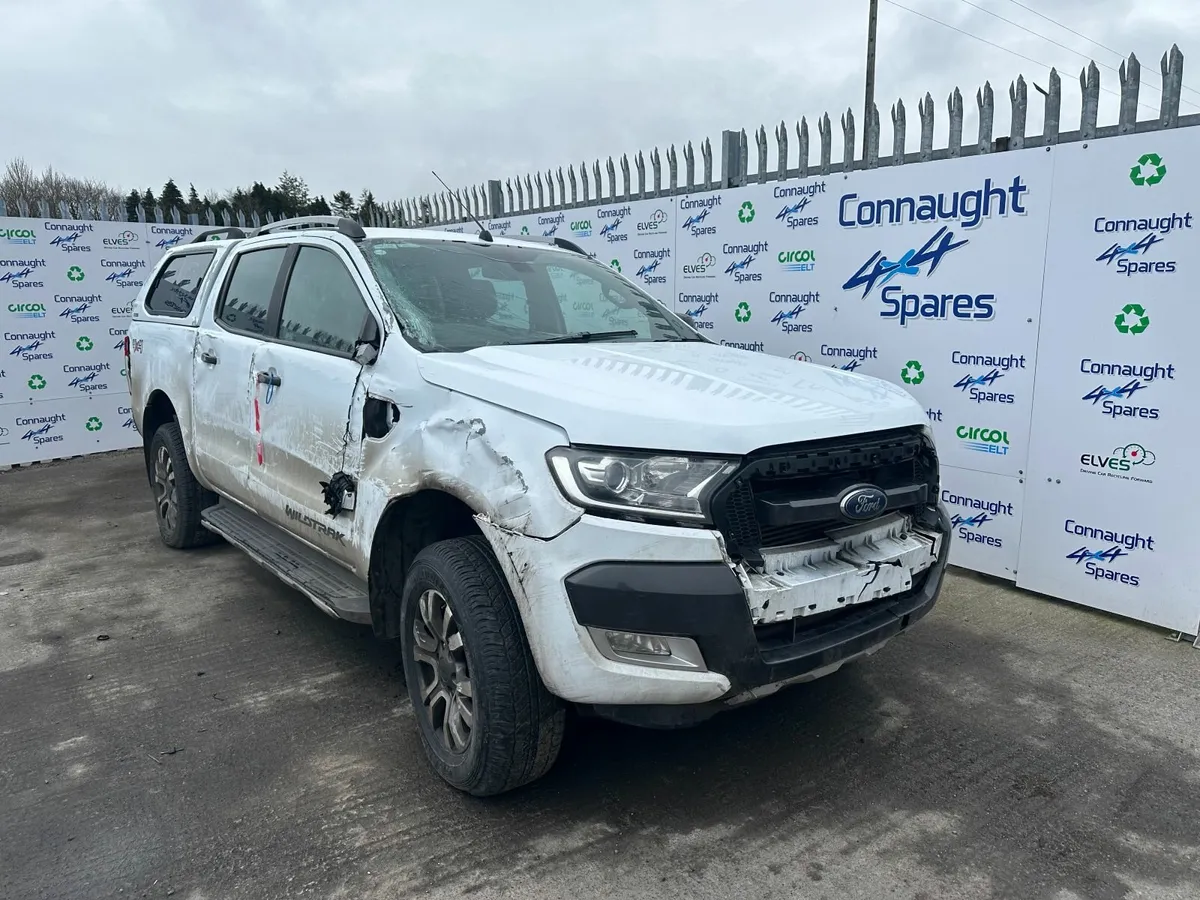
526, 723
191, 498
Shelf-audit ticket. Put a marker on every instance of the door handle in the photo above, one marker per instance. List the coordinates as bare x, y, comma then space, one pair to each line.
209, 357
268, 378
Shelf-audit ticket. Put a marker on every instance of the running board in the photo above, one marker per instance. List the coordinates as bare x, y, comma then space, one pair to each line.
333, 589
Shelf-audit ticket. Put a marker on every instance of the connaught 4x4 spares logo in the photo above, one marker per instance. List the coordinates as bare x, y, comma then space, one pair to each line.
984, 381
893, 272
1147, 246
696, 215
972, 518
1128, 390
742, 259
799, 207
614, 222
653, 265
1104, 553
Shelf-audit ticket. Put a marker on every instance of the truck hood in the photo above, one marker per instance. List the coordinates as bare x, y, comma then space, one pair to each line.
680, 396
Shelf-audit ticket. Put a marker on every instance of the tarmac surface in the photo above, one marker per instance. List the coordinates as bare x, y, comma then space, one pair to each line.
181, 724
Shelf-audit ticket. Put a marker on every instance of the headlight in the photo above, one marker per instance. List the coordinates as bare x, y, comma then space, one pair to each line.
662, 485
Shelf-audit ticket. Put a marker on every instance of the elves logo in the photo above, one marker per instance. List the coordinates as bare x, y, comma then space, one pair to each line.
319, 527
1128, 463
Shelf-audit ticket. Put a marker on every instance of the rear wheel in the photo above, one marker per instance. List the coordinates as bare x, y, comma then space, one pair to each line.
488, 724
178, 497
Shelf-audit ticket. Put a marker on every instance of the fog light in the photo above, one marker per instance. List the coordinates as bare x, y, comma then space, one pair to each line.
639, 644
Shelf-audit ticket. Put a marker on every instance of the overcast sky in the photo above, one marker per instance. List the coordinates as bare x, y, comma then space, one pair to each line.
353, 94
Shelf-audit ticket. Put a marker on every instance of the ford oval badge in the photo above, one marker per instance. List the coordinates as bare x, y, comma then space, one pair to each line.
863, 502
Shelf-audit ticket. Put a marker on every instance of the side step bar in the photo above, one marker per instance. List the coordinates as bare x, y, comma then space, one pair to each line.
333, 589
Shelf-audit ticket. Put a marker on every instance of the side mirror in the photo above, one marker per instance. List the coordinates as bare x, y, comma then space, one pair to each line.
366, 350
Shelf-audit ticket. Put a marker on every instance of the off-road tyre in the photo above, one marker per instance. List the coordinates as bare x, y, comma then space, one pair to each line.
518, 725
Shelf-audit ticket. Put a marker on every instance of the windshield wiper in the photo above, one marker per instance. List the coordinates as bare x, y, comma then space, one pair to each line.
580, 337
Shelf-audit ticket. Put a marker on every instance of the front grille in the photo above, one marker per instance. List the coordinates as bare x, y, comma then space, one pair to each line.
789, 494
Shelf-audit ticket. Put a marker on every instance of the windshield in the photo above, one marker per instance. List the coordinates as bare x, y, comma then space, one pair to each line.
455, 296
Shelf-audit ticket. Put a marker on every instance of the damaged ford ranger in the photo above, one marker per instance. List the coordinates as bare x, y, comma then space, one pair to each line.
546, 485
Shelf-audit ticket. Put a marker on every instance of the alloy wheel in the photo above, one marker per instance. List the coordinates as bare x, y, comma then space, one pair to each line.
444, 677
166, 499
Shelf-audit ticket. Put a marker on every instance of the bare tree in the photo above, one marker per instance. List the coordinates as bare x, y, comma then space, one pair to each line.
18, 183
83, 196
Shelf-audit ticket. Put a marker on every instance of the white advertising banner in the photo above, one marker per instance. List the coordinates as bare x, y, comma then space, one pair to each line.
935, 282
65, 293
1114, 413
985, 516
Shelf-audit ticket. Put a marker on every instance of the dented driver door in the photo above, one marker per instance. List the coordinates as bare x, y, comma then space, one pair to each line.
309, 391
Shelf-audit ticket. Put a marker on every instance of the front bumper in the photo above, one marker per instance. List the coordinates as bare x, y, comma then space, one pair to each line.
609, 575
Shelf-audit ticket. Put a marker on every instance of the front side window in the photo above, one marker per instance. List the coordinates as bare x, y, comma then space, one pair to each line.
248, 291
322, 306
178, 284
457, 296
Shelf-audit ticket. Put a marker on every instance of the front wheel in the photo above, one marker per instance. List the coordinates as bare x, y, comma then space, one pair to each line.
178, 497
488, 724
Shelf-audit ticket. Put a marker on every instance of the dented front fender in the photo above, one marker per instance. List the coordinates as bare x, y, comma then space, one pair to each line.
489, 457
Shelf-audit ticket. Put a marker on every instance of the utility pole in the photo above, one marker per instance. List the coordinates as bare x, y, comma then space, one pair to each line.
872, 21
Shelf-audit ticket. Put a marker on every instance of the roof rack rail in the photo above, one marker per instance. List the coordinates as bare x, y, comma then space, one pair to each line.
555, 241
342, 225
231, 233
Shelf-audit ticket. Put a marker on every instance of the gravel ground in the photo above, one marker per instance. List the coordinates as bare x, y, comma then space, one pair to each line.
181, 724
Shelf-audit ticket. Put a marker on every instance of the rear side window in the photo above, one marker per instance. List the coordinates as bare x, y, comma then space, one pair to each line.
177, 286
248, 291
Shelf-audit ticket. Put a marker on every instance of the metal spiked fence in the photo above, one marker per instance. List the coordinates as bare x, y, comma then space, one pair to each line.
575, 187
572, 187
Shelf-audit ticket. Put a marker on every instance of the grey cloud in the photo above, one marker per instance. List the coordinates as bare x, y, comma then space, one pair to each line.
357, 93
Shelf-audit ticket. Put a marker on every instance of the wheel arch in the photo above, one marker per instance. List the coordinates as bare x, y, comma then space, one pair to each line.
408, 525
159, 411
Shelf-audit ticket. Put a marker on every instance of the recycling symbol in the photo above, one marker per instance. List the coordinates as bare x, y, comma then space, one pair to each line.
75, 273
912, 373
1132, 319
84, 344
524, 229
742, 313
746, 212
615, 264
36, 382
1149, 170
93, 424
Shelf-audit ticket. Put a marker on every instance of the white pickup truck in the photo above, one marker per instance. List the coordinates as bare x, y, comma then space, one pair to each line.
544, 483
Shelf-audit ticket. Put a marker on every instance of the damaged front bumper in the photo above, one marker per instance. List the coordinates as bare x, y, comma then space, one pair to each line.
735, 633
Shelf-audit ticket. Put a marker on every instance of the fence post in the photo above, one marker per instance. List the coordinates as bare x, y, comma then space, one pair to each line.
899, 132
1089, 86
731, 145
1172, 86
495, 198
